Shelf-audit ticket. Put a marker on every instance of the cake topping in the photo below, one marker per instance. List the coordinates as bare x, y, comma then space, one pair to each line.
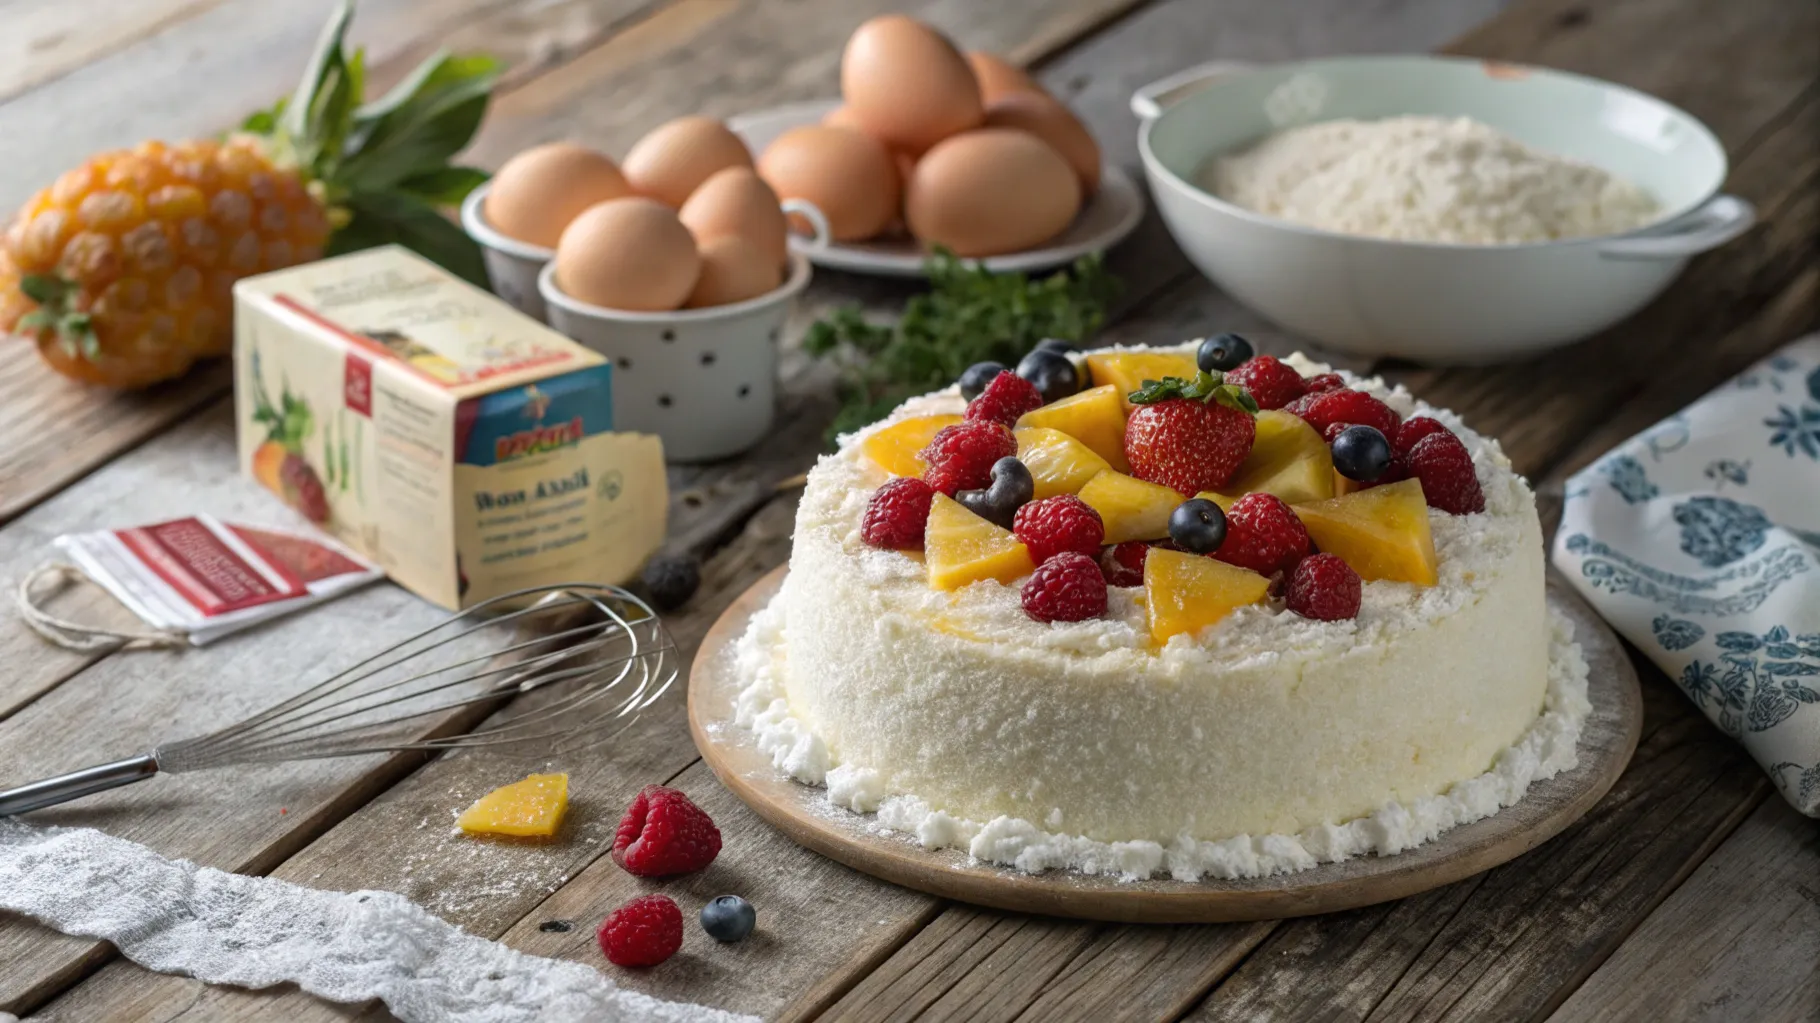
1000, 500
1095, 417
1321, 383
643, 932
1185, 593
975, 378
1058, 463
1052, 372
1131, 509
1324, 587
896, 515
1006, 398
664, 833
1068, 587
1223, 352
1198, 526
1288, 459
961, 457
1383, 533
1272, 382
728, 918
1264, 535
960, 548
1414, 429
1123, 563
1189, 435
1056, 524
1444, 466
1341, 407
1128, 371
1361, 453
898, 448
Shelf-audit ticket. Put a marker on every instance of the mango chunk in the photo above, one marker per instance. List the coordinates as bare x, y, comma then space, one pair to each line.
960, 548
1185, 593
1095, 417
1382, 532
897, 448
1127, 371
531, 808
1130, 508
1058, 463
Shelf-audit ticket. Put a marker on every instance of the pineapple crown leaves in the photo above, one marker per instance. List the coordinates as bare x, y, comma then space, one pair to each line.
1203, 387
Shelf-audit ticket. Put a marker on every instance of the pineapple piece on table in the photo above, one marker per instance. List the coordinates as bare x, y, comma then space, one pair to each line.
1095, 417
1058, 463
1127, 371
1185, 593
1382, 532
898, 448
960, 548
1130, 508
532, 808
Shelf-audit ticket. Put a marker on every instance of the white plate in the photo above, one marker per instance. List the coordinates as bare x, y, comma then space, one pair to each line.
1105, 220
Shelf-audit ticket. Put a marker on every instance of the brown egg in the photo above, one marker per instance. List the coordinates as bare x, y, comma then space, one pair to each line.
631, 254
999, 77
842, 117
847, 174
675, 158
733, 270
736, 201
1055, 124
537, 192
907, 85
991, 191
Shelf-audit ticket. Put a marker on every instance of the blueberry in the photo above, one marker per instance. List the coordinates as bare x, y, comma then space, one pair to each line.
1197, 526
671, 580
1052, 372
977, 376
728, 918
1011, 489
1056, 344
1361, 453
1222, 352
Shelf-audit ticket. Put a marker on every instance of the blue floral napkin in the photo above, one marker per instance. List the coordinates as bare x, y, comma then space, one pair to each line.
1699, 540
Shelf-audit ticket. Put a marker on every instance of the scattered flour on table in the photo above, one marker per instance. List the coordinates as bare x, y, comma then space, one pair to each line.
1427, 179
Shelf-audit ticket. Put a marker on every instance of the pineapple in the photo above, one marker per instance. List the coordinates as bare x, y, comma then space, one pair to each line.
1288, 459
1058, 463
1131, 508
961, 548
898, 448
1127, 371
532, 808
1095, 417
1382, 532
122, 271
1185, 593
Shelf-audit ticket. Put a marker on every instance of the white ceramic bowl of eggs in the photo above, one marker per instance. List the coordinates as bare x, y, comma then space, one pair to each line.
674, 264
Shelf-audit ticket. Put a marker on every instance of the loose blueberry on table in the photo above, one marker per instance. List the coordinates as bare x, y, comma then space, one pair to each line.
728, 918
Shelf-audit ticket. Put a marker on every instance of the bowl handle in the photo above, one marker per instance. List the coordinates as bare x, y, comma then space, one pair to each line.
821, 234
1149, 101
1707, 226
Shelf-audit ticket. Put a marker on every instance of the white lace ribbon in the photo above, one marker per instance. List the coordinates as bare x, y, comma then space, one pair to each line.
172, 916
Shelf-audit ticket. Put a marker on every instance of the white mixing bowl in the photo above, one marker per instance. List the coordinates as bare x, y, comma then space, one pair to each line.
1438, 303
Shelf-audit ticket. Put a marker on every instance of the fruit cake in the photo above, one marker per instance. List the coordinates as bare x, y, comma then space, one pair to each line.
1190, 611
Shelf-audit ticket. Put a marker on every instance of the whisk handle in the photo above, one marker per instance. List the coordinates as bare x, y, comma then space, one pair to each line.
76, 784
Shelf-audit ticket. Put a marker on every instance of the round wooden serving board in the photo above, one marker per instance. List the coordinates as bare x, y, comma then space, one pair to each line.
803, 813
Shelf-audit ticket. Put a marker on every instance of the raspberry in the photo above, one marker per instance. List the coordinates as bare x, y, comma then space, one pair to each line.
1323, 383
1270, 380
1007, 397
663, 833
961, 456
1299, 407
1056, 524
643, 932
1413, 430
1324, 587
1067, 588
1350, 408
1123, 564
1444, 466
897, 513
1262, 534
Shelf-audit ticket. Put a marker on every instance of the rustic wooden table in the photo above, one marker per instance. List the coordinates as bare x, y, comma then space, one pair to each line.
1690, 892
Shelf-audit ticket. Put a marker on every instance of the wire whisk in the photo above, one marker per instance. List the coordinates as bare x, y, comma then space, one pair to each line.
546, 671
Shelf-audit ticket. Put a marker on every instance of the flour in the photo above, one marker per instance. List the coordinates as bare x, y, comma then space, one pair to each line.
1426, 179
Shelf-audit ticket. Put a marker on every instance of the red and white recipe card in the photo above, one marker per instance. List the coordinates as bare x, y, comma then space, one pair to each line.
207, 578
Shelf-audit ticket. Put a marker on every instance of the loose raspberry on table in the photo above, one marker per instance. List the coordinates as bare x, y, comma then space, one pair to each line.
1067, 588
1352, 408
1413, 430
1324, 587
1123, 564
897, 514
1272, 383
1264, 535
1006, 398
1449, 481
1322, 383
643, 932
1056, 524
663, 833
960, 457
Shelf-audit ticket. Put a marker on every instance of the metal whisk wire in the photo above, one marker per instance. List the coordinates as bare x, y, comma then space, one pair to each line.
580, 656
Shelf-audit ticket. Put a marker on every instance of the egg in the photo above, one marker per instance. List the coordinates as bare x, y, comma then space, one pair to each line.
537, 192
675, 158
907, 85
999, 77
847, 174
991, 191
736, 201
632, 254
1049, 120
842, 117
733, 270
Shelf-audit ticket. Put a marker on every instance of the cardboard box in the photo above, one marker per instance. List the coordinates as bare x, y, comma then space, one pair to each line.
465, 448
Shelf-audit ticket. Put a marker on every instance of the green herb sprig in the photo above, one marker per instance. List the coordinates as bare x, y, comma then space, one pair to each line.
970, 314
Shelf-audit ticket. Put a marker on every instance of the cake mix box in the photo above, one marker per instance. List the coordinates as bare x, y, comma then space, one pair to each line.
465, 448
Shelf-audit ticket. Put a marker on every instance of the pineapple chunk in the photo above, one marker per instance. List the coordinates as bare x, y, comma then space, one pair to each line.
1057, 462
1382, 532
960, 548
1128, 370
1288, 459
529, 808
1095, 417
1188, 592
1131, 508
898, 448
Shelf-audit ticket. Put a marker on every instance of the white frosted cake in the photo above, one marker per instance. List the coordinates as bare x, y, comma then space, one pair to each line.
1231, 742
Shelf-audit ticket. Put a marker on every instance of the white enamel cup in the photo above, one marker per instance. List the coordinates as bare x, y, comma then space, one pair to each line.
703, 380
512, 265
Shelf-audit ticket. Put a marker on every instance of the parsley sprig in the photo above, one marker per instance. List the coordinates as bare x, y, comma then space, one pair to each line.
969, 315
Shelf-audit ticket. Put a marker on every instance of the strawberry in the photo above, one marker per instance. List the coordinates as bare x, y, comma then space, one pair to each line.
1189, 435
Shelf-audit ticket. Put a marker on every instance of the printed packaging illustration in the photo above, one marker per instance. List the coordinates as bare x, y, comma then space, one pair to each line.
464, 447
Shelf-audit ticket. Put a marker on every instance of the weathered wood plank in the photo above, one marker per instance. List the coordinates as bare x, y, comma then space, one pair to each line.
1739, 941
48, 38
